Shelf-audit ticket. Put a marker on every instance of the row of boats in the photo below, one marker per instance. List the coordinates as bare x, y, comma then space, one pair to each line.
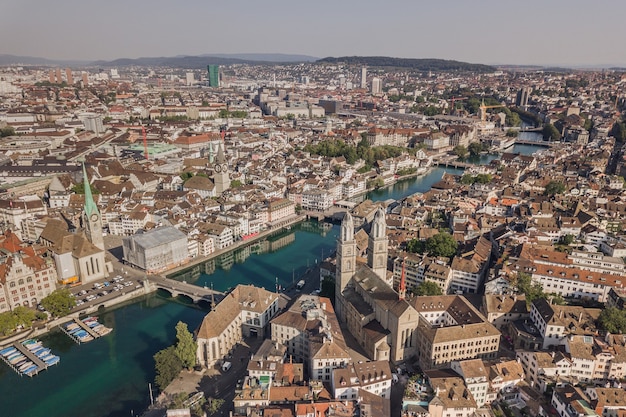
18, 359
82, 335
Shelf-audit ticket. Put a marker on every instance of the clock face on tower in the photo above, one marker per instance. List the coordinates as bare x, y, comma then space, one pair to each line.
94, 217
218, 168
224, 167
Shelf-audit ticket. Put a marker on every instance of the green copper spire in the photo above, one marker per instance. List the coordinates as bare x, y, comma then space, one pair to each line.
90, 205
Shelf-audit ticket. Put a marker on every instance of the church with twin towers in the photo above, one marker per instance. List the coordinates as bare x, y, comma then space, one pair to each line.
388, 325
380, 318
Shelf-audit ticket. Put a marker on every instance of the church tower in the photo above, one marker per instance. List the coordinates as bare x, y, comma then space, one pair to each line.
377, 246
221, 179
346, 258
92, 221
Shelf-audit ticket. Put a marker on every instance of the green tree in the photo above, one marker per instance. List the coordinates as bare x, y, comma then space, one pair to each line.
59, 303
235, 184
186, 347
613, 320
475, 148
467, 179
186, 175
512, 133
554, 187
427, 288
213, 405
460, 151
8, 323
567, 239
7, 131
442, 244
416, 246
526, 286
167, 366
551, 133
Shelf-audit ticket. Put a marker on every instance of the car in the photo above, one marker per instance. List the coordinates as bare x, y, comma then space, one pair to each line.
106, 283
128, 284
103, 293
79, 303
83, 292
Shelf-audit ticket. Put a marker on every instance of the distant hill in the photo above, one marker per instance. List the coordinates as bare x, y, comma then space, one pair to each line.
6, 59
412, 63
268, 57
198, 62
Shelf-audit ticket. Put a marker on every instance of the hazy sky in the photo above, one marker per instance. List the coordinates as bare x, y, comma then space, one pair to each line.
484, 31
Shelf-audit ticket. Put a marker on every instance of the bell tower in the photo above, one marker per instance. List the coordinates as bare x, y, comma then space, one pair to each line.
221, 179
377, 246
92, 220
346, 258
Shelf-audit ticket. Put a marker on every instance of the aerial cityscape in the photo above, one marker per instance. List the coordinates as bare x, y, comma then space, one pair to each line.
390, 225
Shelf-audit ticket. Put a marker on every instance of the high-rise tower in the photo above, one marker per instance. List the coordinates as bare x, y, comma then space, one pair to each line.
346, 258
221, 179
92, 221
214, 75
377, 246
364, 78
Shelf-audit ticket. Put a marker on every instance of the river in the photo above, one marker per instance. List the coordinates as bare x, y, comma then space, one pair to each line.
109, 376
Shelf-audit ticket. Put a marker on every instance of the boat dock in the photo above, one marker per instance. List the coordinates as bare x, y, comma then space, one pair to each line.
84, 330
87, 328
28, 357
41, 365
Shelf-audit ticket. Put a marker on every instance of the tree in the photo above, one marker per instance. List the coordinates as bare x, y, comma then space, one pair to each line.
475, 148
554, 187
427, 288
7, 131
186, 347
460, 151
512, 133
567, 239
442, 244
551, 133
59, 303
167, 366
214, 404
416, 246
235, 184
613, 320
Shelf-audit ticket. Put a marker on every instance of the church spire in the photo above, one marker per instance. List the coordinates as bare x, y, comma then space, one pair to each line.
220, 159
90, 204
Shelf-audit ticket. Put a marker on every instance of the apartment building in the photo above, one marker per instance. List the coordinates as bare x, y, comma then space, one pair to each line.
555, 322
374, 377
311, 333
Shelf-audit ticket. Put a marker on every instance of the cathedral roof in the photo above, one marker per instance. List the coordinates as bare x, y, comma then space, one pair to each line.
379, 291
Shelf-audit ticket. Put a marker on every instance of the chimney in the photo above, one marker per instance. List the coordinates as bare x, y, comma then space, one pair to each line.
580, 317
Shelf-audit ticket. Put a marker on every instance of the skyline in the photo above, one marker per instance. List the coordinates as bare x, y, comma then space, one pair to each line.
525, 33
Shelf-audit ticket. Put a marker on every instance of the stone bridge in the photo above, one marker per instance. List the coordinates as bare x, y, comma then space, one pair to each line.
176, 288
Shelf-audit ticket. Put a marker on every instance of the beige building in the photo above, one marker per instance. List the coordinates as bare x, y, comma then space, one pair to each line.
245, 312
311, 333
25, 276
452, 398
451, 329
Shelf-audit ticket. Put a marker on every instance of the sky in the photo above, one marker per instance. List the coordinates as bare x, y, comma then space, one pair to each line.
523, 32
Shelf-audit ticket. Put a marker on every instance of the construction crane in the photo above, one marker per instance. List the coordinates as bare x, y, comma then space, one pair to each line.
453, 100
145, 142
482, 110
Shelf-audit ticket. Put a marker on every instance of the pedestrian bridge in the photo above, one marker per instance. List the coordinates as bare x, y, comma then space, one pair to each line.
176, 288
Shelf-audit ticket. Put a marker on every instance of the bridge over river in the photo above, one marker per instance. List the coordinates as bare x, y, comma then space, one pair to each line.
176, 288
